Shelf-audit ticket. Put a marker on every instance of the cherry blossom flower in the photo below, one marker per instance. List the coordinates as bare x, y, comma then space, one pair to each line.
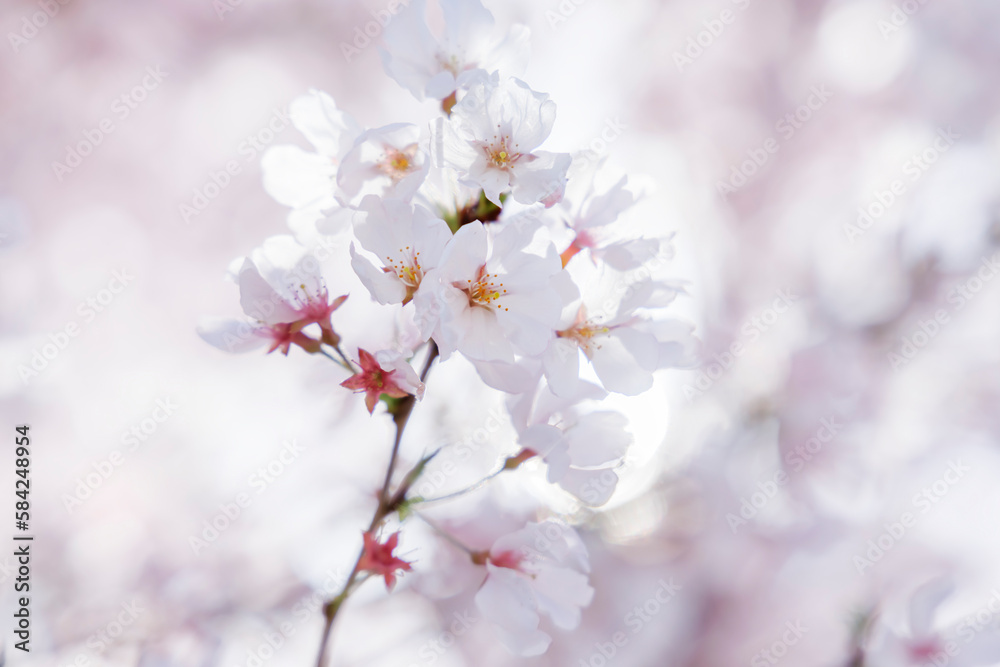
385, 373
431, 67
306, 181
430, 226
282, 291
387, 161
589, 218
581, 448
492, 137
407, 239
490, 297
623, 346
379, 559
540, 569
514, 378
922, 644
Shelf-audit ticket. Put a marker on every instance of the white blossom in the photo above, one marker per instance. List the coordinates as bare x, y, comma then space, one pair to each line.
407, 240
492, 139
624, 346
540, 569
490, 297
436, 67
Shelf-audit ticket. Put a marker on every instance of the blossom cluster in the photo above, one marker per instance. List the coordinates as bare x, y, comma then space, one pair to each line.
484, 245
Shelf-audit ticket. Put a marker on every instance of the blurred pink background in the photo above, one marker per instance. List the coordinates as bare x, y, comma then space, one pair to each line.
892, 332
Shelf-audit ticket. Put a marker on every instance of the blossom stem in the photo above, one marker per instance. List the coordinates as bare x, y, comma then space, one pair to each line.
347, 362
401, 416
511, 463
469, 489
340, 362
451, 539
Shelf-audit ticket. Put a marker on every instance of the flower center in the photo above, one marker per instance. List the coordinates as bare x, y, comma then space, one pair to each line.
509, 559
397, 164
407, 268
921, 651
500, 154
485, 290
311, 301
450, 63
583, 331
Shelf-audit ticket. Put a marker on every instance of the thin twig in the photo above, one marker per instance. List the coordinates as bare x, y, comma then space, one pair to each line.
461, 492
445, 534
347, 362
342, 364
401, 416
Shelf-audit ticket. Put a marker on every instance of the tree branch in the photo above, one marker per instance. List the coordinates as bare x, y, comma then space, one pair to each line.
400, 415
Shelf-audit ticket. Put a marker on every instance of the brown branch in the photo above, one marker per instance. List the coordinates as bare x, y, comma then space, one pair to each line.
400, 416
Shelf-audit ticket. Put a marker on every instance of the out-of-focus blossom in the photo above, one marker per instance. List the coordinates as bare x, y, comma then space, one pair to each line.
580, 447
436, 67
924, 643
306, 181
604, 324
379, 560
589, 218
540, 569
